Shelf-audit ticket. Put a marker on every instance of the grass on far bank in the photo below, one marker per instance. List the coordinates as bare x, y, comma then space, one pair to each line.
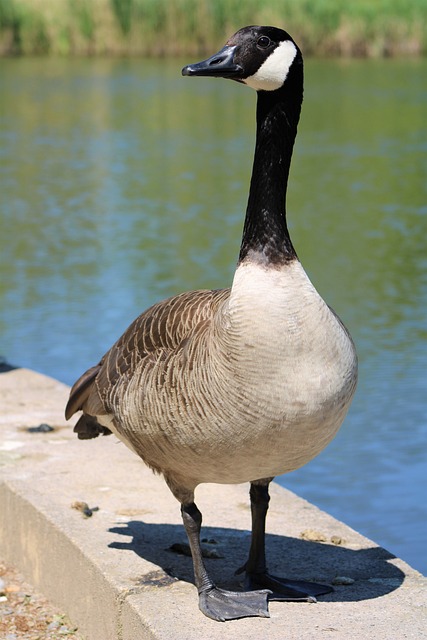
175, 27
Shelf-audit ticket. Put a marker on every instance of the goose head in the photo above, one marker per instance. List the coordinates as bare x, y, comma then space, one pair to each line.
260, 57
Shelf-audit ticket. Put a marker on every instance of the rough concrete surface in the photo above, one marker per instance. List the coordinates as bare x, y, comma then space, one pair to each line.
114, 572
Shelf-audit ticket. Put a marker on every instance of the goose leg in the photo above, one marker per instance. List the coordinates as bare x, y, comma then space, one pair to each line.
213, 602
257, 575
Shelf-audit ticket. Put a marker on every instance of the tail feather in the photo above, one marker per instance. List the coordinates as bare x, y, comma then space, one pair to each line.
88, 427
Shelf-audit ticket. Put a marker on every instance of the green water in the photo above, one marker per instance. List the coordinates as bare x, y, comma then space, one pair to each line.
122, 183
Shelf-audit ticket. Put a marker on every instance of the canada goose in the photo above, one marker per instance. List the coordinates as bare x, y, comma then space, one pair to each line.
240, 384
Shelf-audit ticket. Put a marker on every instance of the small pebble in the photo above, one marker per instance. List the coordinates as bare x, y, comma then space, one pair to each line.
343, 580
42, 428
12, 588
207, 552
64, 631
2, 587
84, 508
313, 536
53, 625
3, 598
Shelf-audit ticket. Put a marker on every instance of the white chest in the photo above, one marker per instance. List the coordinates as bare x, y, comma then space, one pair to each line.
295, 355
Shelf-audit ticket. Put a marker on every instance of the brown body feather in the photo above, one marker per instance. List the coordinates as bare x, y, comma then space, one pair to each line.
157, 333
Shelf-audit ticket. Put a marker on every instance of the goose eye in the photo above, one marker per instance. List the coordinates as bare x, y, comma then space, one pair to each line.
263, 42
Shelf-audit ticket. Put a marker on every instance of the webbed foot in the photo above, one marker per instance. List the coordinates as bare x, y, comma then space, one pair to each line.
283, 589
223, 605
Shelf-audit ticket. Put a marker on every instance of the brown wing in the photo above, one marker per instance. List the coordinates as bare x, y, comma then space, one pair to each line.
163, 327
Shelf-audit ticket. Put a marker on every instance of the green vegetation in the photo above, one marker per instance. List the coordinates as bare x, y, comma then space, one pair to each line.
172, 27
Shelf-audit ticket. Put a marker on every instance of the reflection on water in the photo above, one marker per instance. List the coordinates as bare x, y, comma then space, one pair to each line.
122, 183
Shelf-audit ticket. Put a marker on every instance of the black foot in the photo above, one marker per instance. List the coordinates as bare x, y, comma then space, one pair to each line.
283, 589
223, 605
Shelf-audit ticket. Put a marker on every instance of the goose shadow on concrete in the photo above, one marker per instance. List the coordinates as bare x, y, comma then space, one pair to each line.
288, 557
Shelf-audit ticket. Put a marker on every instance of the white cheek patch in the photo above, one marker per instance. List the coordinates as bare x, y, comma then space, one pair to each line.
273, 72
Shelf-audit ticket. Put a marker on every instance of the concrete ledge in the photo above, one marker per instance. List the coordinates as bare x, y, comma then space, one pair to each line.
114, 573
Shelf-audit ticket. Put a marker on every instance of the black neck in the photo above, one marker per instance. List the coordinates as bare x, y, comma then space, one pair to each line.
265, 236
